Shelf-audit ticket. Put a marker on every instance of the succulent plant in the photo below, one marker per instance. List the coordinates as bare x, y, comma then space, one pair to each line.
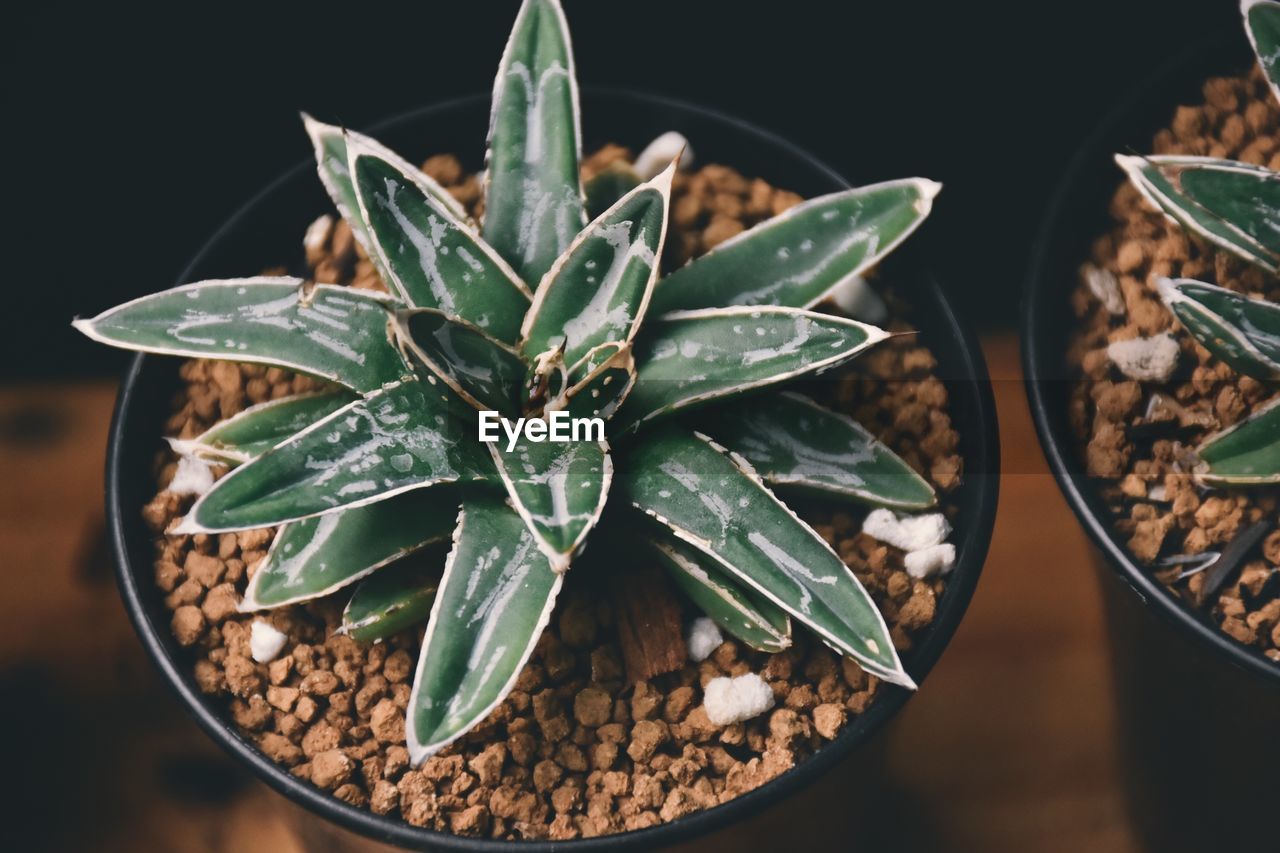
1235, 207
537, 315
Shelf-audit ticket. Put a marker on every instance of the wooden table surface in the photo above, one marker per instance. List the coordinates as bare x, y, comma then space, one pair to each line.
1010, 746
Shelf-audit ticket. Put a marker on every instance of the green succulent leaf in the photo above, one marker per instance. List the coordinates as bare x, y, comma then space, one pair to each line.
482, 370
390, 601
1243, 332
688, 358
559, 488
792, 441
259, 428
405, 436
318, 555
494, 599
798, 257
533, 193
744, 613
1235, 206
1262, 23
600, 382
1245, 454
716, 503
598, 290
330, 144
608, 185
331, 332
435, 260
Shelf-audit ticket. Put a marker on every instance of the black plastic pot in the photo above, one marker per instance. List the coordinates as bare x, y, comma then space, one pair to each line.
1197, 709
266, 231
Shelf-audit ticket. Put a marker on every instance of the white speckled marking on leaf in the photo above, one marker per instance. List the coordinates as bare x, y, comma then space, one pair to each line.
495, 598
328, 331
696, 489
348, 459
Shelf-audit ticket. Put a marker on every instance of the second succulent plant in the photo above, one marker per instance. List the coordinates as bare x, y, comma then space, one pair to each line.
1235, 207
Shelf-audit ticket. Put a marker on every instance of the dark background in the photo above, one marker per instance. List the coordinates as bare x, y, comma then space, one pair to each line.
130, 134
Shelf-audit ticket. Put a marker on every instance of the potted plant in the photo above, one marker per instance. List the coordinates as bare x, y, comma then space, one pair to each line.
1154, 407
452, 529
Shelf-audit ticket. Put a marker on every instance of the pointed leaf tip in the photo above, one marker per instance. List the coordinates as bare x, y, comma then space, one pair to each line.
271, 320
432, 257
1235, 206
799, 257
320, 555
1243, 332
533, 189
476, 643
1244, 454
713, 501
599, 290
792, 441
400, 438
689, 358
1262, 23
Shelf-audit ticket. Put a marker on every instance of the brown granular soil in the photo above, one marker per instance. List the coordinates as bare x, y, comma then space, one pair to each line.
1136, 436
575, 750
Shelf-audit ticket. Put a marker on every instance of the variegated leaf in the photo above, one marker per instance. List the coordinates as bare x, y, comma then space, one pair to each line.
495, 598
1235, 206
393, 600
792, 441
533, 193
736, 608
319, 555
800, 256
558, 487
600, 382
598, 290
687, 358
1243, 332
405, 436
259, 428
1262, 23
330, 145
716, 503
608, 185
434, 259
1245, 454
482, 370
332, 332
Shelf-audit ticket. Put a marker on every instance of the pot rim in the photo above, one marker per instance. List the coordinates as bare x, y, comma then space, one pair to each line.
972, 544
1042, 305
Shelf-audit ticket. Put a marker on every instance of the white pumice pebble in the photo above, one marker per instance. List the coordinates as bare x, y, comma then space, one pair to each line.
732, 700
193, 477
661, 151
930, 562
704, 637
317, 233
265, 642
1145, 359
1103, 285
908, 532
857, 298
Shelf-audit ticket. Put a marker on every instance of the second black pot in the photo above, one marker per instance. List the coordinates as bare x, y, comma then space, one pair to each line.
255, 238
1196, 709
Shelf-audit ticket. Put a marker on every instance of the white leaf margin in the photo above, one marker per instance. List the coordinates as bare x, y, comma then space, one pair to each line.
898, 676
